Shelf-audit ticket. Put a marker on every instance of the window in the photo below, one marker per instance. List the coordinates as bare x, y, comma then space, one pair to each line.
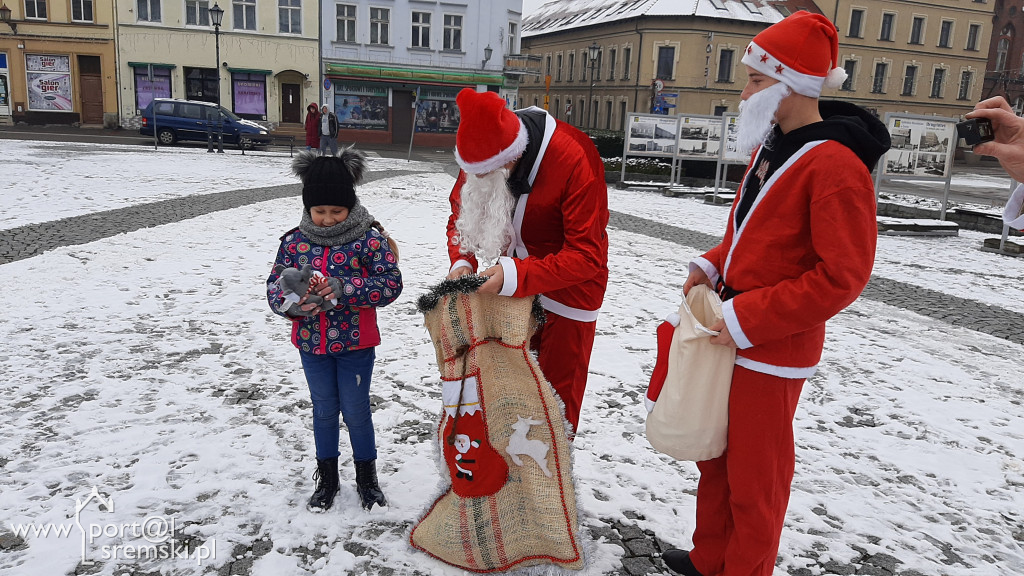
966, 77
850, 66
146, 88
201, 84
887, 26
938, 79
513, 35
627, 56
197, 13
453, 32
148, 10
289, 16
856, 22
81, 10
611, 63
973, 32
596, 66
346, 15
917, 30
37, 9
243, 15
725, 65
572, 65
380, 19
249, 95
1001, 49
878, 81
666, 62
909, 79
946, 34
558, 71
421, 29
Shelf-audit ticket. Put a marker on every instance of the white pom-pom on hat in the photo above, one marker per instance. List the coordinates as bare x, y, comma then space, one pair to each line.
835, 79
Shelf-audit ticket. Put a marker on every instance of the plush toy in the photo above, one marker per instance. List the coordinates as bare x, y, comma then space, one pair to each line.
296, 283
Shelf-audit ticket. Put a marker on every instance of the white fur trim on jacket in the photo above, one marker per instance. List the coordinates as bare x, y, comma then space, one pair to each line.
500, 159
1013, 214
761, 60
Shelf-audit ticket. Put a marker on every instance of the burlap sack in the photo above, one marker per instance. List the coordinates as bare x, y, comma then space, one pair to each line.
531, 517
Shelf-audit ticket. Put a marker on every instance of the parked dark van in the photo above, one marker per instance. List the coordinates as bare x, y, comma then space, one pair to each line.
188, 120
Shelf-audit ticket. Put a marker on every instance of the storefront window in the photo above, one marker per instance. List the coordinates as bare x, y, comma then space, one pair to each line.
146, 88
361, 107
201, 84
49, 82
249, 95
436, 111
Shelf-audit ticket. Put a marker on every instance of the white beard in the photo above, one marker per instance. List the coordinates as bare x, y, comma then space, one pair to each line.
485, 216
757, 117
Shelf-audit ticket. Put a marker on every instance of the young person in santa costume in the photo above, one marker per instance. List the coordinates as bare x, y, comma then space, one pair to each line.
532, 194
798, 248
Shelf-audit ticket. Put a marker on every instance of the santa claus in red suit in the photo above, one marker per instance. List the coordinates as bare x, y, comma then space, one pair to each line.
798, 248
531, 202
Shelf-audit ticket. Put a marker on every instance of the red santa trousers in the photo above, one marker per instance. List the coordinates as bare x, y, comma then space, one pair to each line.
563, 353
743, 494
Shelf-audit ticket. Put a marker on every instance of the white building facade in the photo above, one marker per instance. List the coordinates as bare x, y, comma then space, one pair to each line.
392, 68
267, 69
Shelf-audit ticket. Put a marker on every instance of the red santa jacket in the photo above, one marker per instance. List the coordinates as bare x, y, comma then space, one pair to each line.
560, 248
803, 253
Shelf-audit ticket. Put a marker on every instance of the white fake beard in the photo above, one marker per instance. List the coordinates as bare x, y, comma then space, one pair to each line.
757, 117
485, 215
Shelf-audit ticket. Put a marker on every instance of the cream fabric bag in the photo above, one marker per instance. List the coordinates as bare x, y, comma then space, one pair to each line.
690, 415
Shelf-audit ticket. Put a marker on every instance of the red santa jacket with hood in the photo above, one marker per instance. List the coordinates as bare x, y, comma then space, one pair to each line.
805, 248
560, 248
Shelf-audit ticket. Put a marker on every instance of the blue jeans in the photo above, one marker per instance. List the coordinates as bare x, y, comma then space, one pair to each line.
340, 384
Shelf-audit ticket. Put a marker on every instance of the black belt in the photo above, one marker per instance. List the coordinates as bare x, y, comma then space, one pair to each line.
727, 293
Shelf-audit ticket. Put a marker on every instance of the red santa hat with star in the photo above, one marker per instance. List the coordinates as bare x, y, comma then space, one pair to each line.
490, 135
800, 51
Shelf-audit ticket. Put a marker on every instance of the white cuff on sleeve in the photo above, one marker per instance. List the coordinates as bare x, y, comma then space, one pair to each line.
508, 268
1013, 215
733, 323
707, 267
460, 264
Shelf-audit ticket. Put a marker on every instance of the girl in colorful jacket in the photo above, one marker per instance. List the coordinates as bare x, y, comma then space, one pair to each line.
354, 270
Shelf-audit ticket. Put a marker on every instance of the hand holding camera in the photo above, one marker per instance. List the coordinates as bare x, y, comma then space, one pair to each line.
1005, 138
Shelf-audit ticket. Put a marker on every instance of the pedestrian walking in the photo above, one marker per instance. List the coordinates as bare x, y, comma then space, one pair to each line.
312, 126
798, 248
328, 131
348, 267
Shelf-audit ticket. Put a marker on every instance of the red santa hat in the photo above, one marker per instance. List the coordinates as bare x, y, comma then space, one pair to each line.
800, 51
490, 135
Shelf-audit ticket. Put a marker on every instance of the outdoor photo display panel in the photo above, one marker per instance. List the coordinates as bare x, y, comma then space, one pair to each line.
921, 146
699, 137
651, 135
362, 108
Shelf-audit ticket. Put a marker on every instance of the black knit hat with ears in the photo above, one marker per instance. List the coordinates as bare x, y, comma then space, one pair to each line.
329, 180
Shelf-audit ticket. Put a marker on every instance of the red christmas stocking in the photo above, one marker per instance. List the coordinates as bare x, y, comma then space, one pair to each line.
665, 332
476, 468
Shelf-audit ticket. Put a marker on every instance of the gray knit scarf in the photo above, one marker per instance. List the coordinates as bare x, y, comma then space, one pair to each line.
358, 222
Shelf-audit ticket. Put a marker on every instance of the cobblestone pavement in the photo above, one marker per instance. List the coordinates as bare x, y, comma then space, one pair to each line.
641, 549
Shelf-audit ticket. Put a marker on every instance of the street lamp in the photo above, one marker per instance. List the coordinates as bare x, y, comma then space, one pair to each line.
593, 52
5, 17
487, 56
216, 17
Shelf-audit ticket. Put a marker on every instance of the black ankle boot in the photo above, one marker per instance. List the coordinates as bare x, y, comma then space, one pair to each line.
326, 477
679, 561
366, 484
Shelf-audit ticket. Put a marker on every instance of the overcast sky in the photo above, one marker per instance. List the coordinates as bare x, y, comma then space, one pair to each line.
530, 5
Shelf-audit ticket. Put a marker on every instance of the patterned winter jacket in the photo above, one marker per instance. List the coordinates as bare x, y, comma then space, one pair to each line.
369, 276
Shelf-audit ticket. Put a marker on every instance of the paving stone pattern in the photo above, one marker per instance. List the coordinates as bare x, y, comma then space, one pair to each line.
642, 549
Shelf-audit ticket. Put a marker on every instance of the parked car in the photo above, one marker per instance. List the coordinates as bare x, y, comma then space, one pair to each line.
189, 120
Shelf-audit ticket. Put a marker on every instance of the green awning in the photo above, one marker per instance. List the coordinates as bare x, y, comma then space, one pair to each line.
153, 64
250, 71
457, 77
